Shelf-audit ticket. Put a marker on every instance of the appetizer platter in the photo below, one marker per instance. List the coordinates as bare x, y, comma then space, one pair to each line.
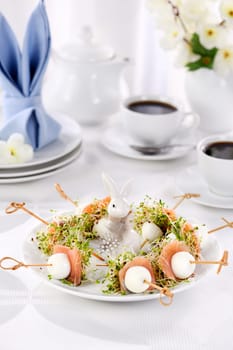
112, 250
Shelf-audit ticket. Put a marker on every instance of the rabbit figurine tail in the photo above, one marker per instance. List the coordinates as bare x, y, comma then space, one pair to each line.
21, 75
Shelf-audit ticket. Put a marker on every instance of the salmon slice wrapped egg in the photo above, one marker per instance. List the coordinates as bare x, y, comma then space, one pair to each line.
175, 261
60, 266
133, 275
66, 263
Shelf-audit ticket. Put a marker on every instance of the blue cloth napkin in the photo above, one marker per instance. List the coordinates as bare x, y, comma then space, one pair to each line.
21, 75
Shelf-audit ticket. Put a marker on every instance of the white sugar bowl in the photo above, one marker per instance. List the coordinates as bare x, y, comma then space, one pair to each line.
85, 80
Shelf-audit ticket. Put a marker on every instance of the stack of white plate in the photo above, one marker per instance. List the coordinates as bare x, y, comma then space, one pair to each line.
50, 159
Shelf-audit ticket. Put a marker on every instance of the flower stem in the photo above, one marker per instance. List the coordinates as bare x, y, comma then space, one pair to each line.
176, 12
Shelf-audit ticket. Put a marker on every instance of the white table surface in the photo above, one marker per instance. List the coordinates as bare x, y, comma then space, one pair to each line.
36, 316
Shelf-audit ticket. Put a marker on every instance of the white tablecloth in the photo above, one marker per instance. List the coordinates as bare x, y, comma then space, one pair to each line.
36, 316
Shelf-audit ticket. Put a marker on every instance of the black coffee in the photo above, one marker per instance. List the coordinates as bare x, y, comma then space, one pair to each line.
221, 149
152, 107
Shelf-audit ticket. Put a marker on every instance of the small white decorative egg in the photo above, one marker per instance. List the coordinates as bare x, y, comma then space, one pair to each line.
135, 277
181, 266
202, 233
171, 237
150, 231
60, 266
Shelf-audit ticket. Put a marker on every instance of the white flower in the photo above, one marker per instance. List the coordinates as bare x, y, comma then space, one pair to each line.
211, 35
14, 150
163, 12
155, 5
212, 20
185, 55
223, 63
163, 15
226, 10
193, 10
173, 36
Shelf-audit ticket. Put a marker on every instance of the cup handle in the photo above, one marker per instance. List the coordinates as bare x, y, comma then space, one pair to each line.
191, 121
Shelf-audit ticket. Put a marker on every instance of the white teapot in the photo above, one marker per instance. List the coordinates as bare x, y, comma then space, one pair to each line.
84, 80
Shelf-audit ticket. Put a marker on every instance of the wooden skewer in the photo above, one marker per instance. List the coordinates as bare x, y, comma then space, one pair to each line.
18, 264
101, 265
97, 256
64, 195
224, 261
163, 291
185, 196
228, 224
143, 243
221, 263
13, 207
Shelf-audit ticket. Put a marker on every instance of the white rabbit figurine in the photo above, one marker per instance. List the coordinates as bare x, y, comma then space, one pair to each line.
113, 226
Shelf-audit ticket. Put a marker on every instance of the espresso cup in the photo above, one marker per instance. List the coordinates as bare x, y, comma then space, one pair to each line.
215, 161
151, 120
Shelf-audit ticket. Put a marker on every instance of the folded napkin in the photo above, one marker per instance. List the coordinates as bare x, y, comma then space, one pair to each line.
21, 75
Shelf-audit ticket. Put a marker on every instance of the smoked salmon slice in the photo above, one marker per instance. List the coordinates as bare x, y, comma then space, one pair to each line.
75, 260
138, 261
166, 255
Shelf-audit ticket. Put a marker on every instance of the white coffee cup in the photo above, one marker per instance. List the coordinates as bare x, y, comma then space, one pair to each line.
155, 128
217, 172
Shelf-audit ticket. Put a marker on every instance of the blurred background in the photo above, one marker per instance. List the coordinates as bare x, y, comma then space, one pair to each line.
125, 25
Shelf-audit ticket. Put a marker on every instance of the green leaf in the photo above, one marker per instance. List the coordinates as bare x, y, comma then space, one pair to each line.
203, 62
207, 56
199, 49
192, 66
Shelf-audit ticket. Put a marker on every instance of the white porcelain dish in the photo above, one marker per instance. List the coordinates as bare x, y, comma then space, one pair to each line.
190, 181
31, 254
43, 174
69, 139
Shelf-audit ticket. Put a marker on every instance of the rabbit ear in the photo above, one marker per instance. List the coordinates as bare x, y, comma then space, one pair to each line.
10, 57
110, 185
126, 188
36, 50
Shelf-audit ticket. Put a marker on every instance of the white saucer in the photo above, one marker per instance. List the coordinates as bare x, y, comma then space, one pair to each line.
115, 139
190, 181
69, 139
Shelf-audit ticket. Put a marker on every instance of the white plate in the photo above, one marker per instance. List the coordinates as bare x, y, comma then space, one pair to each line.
190, 181
116, 140
41, 168
69, 139
32, 254
41, 175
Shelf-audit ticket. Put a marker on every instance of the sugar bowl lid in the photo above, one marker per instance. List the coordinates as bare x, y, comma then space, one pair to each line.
85, 49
